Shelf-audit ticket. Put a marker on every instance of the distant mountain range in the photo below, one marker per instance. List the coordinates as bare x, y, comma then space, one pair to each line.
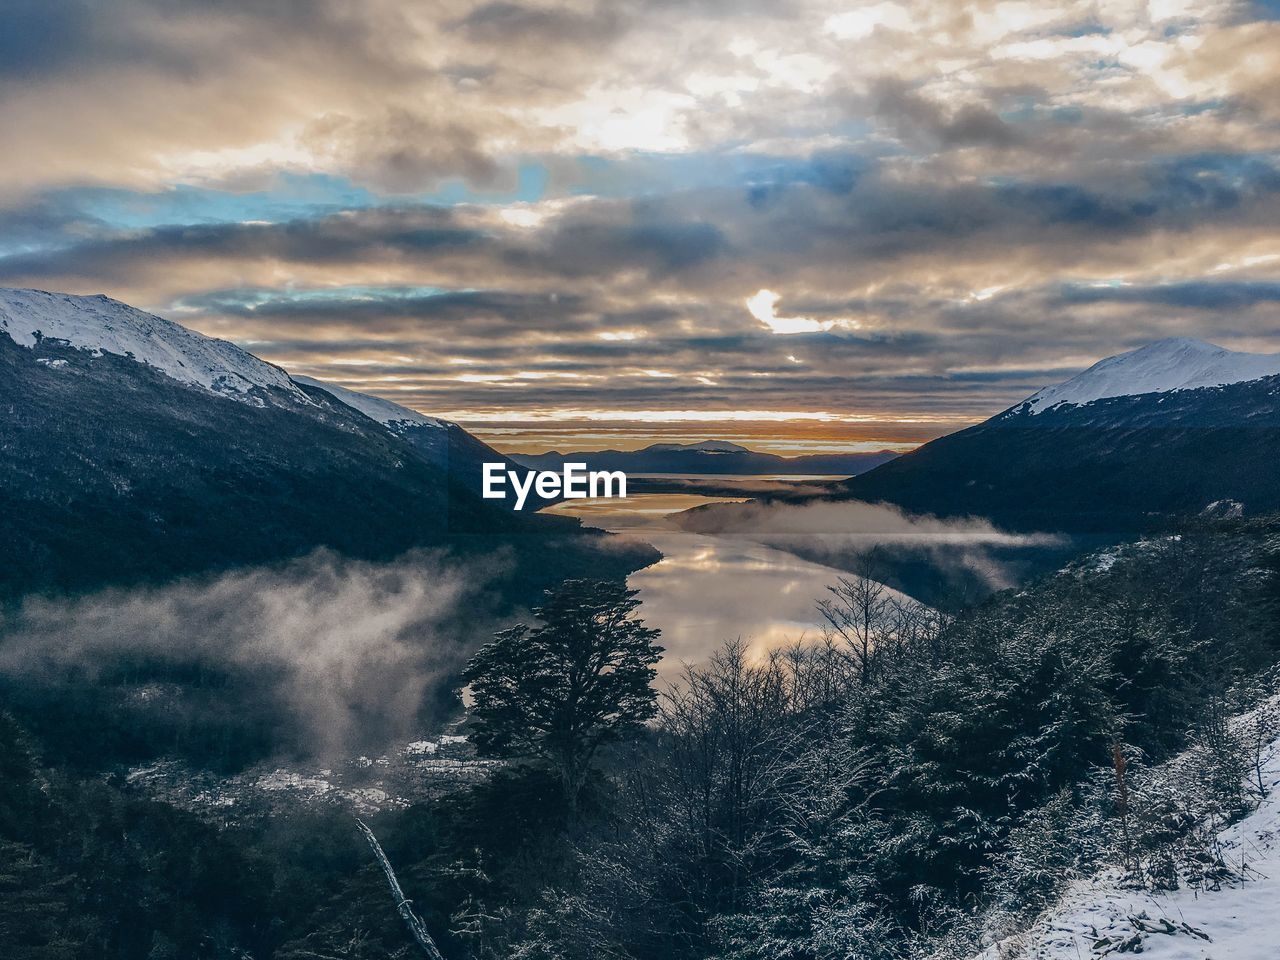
709, 457
134, 449
1165, 430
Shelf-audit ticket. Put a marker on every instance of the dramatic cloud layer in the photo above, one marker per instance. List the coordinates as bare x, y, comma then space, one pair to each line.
872, 221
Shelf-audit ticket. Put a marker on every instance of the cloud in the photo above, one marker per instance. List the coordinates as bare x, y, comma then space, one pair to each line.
763, 305
916, 117
562, 195
403, 150
861, 23
516, 23
1194, 294
332, 653
399, 96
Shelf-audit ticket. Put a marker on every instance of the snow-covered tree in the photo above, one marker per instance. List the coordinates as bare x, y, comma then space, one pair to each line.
560, 690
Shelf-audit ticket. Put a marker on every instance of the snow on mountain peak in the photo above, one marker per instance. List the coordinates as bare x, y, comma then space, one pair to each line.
384, 411
101, 325
1179, 363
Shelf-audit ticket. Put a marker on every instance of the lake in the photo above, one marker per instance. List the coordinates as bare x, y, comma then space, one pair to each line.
762, 582
709, 589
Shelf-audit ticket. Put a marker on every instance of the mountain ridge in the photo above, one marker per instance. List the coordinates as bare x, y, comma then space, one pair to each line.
709, 458
442, 442
386, 412
116, 471
1110, 464
98, 324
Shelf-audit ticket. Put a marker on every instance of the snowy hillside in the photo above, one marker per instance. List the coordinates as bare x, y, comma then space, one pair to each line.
389, 414
101, 325
1238, 921
1160, 367
441, 442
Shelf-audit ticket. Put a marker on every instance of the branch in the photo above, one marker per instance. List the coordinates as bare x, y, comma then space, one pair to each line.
404, 906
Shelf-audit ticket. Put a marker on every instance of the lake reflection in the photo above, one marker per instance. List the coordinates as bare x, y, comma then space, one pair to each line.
707, 589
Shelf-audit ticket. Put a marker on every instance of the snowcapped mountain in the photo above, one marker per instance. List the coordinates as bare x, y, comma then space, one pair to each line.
1165, 366
136, 450
98, 325
1134, 441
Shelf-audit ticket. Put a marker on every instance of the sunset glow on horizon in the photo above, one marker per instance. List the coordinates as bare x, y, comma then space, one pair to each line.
804, 225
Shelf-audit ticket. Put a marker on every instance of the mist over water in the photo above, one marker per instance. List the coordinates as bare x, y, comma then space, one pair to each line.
946, 561
326, 656
708, 589
754, 570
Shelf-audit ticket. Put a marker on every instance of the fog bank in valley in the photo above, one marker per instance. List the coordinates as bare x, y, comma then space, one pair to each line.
319, 656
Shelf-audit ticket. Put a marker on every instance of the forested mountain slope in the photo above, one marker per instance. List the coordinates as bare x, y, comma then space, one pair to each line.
1217, 887
132, 449
917, 796
1137, 439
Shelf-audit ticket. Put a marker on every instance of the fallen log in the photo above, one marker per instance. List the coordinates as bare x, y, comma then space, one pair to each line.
404, 906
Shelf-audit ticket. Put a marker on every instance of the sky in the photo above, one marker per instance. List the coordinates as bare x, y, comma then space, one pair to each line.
799, 224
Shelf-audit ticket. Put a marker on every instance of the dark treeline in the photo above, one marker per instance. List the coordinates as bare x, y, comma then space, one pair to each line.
907, 785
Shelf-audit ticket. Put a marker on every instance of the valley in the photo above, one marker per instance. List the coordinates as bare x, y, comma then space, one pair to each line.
256, 605
588, 480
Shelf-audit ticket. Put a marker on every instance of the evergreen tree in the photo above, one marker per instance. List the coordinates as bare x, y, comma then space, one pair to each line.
558, 691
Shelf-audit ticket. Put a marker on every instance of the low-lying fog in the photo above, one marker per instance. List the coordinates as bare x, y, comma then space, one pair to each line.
756, 571
328, 657
322, 656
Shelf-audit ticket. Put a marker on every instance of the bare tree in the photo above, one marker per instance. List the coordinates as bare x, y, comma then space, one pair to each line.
723, 727
858, 613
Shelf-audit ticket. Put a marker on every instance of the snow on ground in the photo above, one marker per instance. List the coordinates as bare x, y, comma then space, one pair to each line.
421, 770
287, 780
1104, 560
1100, 561
384, 411
1161, 367
1240, 921
102, 325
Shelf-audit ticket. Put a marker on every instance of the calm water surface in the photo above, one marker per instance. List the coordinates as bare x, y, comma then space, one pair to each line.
707, 589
